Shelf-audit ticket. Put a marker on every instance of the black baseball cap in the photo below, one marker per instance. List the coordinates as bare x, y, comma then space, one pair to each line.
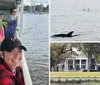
8, 44
1, 12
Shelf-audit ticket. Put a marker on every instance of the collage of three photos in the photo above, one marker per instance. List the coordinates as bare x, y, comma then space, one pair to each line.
49, 42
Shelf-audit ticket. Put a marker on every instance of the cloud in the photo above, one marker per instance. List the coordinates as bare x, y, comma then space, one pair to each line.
27, 2
40, 1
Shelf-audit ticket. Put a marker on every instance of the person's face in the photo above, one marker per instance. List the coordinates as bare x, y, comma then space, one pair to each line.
13, 58
1, 16
14, 12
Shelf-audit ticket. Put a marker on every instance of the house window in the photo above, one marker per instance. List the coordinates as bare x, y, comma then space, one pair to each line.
70, 67
77, 62
83, 67
70, 61
77, 67
92, 67
93, 63
63, 66
70, 64
83, 61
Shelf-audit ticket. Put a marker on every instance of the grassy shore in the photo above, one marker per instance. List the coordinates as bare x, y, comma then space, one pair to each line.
88, 83
75, 74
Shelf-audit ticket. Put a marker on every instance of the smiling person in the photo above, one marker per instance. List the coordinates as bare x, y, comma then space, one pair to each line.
10, 63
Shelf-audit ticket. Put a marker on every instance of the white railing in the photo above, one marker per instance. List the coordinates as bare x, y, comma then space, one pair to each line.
26, 74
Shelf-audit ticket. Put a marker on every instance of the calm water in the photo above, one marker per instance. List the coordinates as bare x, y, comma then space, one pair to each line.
35, 38
81, 16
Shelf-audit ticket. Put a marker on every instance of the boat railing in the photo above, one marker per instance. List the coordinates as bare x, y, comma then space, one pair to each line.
19, 31
26, 74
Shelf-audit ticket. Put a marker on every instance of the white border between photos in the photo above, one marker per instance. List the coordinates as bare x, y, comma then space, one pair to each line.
49, 42
75, 42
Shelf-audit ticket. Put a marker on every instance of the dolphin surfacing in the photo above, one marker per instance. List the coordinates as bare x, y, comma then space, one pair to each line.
64, 35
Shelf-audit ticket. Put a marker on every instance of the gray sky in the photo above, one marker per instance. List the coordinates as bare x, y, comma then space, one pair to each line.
39, 1
28, 2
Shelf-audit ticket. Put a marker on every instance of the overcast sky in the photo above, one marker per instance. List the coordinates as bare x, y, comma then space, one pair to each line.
28, 2
39, 1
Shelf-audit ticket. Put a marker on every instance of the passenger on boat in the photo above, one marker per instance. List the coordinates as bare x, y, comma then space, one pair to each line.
2, 34
13, 15
10, 62
12, 24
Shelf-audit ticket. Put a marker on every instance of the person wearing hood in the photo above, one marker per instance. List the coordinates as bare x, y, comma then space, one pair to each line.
10, 62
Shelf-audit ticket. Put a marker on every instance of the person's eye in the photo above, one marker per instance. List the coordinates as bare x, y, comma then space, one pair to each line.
20, 51
13, 52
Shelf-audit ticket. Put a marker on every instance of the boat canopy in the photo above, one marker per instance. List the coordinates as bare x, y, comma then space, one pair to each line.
7, 4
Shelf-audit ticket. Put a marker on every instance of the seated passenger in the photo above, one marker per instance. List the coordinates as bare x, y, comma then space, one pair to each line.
10, 62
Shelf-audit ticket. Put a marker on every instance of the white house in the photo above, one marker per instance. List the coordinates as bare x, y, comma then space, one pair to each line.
74, 63
77, 63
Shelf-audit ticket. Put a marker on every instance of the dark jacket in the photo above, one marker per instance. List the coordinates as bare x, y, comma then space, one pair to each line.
7, 77
11, 28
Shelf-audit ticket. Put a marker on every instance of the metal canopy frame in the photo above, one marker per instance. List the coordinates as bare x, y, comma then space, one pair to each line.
7, 4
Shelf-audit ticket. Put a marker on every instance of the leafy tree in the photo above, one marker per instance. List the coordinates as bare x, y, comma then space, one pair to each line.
27, 8
91, 49
60, 51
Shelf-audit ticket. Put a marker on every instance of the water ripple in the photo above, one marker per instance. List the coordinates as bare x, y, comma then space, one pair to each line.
35, 38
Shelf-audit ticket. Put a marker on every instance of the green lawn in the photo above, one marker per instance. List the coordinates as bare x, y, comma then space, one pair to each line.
75, 74
88, 83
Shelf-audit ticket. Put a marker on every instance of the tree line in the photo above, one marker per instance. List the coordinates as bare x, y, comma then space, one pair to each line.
60, 51
36, 8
